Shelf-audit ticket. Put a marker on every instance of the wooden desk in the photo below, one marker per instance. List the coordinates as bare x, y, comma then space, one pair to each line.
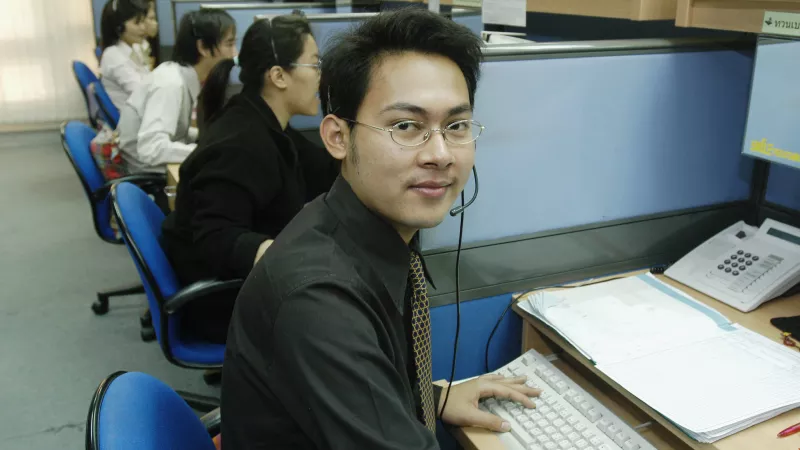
662, 434
173, 176
733, 15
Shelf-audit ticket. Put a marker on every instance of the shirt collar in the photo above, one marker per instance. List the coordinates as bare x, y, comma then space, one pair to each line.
192, 80
253, 98
124, 47
384, 249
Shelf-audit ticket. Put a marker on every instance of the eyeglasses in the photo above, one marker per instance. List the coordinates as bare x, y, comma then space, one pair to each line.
317, 66
410, 133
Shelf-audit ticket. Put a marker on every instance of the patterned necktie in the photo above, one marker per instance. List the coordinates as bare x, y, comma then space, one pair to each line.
421, 335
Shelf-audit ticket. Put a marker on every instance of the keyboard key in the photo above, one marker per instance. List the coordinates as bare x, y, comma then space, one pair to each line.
603, 424
550, 446
551, 417
612, 430
558, 437
564, 413
528, 425
630, 445
550, 431
593, 415
565, 430
603, 447
581, 444
578, 399
542, 423
534, 416
543, 438
552, 400
574, 437
545, 409
564, 444
561, 387
595, 441
584, 407
522, 436
535, 447
536, 431
620, 437
572, 420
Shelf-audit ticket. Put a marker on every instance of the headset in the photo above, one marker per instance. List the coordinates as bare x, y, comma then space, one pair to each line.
459, 210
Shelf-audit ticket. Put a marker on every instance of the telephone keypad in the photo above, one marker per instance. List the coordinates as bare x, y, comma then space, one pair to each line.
738, 272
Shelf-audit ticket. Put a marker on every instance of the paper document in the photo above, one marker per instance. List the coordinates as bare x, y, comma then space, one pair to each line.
736, 376
675, 353
505, 12
627, 318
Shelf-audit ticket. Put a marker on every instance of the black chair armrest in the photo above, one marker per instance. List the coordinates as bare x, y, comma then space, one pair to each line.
213, 422
148, 181
198, 290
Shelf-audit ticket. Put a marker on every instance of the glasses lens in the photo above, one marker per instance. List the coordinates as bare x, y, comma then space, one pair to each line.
409, 133
463, 131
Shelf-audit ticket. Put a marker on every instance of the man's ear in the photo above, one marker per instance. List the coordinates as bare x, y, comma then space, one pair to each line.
335, 135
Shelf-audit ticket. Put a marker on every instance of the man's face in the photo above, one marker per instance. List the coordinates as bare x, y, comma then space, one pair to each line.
411, 187
226, 48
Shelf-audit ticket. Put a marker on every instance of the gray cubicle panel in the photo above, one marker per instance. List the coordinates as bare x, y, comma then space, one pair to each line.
783, 187
597, 156
773, 115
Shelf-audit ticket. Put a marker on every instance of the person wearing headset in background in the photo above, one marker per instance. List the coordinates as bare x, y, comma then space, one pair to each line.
144, 50
329, 343
155, 124
251, 172
122, 27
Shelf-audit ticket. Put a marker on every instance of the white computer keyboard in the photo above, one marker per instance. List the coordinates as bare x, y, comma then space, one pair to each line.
565, 418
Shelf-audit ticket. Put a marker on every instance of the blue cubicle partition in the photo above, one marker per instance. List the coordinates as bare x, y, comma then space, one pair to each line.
783, 187
571, 141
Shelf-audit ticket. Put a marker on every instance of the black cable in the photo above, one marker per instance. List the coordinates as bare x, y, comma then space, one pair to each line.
458, 307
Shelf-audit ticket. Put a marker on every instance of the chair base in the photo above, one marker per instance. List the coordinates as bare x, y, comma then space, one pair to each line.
100, 307
200, 403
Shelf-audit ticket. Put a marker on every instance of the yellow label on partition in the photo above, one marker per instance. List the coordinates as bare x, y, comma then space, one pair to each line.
765, 148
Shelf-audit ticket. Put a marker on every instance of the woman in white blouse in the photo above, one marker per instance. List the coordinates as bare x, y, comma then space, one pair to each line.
155, 125
122, 26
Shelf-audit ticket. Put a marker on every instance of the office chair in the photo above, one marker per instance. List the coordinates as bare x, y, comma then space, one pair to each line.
139, 220
84, 76
75, 139
108, 112
133, 410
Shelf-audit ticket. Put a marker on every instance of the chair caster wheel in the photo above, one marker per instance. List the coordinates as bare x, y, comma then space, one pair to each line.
148, 334
100, 307
146, 320
212, 376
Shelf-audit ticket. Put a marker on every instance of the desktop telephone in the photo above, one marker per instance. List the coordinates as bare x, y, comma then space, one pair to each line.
743, 266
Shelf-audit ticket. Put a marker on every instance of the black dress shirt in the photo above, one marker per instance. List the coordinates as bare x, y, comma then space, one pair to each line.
245, 181
319, 353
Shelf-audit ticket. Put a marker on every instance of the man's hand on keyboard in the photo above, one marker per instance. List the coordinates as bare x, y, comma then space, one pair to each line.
462, 406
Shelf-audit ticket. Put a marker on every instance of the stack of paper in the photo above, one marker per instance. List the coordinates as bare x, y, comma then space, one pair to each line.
710, 377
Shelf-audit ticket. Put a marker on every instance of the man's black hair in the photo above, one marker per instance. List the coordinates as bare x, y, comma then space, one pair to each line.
348, 63
207, 25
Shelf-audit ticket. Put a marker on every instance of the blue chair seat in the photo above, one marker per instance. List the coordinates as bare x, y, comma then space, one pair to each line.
132, 410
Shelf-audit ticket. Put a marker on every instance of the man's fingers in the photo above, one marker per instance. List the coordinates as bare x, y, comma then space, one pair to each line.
478, 418
492, 377
501, 391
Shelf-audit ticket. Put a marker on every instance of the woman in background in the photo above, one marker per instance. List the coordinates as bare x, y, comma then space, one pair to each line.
145, 49
122, 27
251, 172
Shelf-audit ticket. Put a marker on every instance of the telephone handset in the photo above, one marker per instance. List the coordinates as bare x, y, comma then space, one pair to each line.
743, 266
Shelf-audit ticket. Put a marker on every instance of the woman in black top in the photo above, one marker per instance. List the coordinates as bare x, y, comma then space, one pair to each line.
251, 172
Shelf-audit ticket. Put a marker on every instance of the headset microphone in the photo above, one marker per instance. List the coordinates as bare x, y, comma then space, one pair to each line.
460, 209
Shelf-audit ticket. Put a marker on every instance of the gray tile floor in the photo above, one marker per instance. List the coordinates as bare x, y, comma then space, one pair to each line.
53, 349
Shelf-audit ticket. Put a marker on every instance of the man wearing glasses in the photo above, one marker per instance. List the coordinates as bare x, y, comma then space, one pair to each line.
329, 346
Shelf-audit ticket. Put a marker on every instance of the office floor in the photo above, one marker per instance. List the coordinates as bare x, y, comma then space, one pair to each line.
53, 349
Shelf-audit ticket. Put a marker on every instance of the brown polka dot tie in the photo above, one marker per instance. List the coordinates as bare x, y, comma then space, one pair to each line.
421, 335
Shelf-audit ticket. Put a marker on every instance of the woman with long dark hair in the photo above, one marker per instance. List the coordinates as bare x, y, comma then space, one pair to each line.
122, 27
251, 172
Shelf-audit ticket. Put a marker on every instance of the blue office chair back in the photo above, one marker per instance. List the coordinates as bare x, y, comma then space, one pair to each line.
139, 220
85, 77
138, 412
108, 111
76, 138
